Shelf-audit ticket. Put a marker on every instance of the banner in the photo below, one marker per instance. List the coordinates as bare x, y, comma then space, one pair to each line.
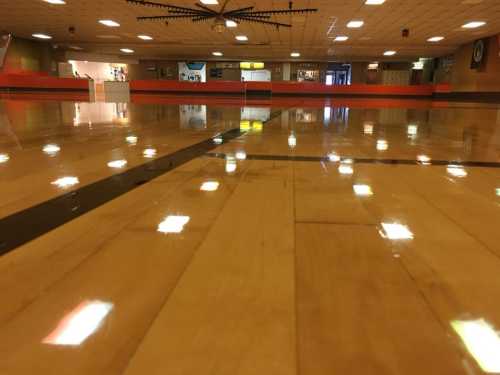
4, 45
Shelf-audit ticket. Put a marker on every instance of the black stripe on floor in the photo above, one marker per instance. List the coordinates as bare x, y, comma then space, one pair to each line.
26, 225
485, 164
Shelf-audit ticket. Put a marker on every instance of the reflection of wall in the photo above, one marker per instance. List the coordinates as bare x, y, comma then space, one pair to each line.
485, 79
28, 56
193, 116
256, 113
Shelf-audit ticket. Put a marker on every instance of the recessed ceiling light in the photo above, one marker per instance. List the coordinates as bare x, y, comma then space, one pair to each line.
217, 54
209, 2
55, 2
355, 24
373, 66
109, 23
41, 36
127, 50
241, 38
145, 37
341, 38
374, 2
473, 25
435, 39
231, 23
295, 54
389, 53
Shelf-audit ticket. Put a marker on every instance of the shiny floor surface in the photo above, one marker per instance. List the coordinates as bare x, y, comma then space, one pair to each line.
178, 235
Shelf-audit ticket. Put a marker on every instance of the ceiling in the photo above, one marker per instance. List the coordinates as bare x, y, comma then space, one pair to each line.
311, 34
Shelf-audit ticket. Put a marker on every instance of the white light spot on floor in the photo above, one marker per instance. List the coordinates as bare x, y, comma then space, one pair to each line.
65, 182
4, 158
173, 224
149, 153
79, 324
132, 140
241, 155
209, 186
482, 342
395, 231
51, 149
362, 190
456, 171
117, 164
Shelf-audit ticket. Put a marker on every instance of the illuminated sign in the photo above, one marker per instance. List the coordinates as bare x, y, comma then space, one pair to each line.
251, 65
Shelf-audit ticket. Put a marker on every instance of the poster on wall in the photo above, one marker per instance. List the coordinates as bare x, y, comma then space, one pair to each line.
192, 72
4, 45
479, 51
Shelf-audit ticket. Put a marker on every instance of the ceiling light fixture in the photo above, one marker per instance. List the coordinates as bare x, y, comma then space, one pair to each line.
341, 38
127, 50
295, 54
435, 39
209, 2
241, 38
355, 24
374, 2
145, 37
473, 25
55, 2
389, 53
217, 53
109, 23
230, 23
41, 36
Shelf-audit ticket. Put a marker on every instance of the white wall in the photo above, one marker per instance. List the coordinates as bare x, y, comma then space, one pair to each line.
256, 75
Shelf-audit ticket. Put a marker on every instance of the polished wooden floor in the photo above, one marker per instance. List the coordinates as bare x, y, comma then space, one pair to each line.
268, 255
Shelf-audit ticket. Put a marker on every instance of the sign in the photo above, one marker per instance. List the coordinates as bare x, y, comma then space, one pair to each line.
4, 45
251, 65
479, 51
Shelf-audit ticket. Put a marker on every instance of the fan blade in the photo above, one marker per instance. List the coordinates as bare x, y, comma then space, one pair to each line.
206, 8
281, 11
195, 12
237, 11
263, 16
148, 3
262, 21
160, 18
204, 18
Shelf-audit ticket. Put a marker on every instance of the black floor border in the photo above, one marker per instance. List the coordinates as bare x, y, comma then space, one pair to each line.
26, 225
485, 164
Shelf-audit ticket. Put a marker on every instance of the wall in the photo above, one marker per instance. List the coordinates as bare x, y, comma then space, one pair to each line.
486, 79
27, 56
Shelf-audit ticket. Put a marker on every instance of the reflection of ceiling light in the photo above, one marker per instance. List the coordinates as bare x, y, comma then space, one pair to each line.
341, 38
173, 224
109, 23
209, 186
79, 324
231, 164
482, 342
373, 66
473, 25
241, 155
374, 2
394, 231
117, 164
217, 53
127, 50
292, 141
389, 53
368, 128
412, 130
355, 24
41, 36
346, 169
241, 38
65, 182
145, 37
218, 140
424, 159
333, 157
362, 190
131, 139
435, 39
456, 170
51, 149
55, 2
295, 54
230, 23
149, 153
4, 158
382, 145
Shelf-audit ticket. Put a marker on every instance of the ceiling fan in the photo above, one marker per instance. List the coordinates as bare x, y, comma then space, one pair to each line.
203, 13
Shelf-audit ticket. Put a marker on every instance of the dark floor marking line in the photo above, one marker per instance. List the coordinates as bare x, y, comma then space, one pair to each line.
485, 164
26, 225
